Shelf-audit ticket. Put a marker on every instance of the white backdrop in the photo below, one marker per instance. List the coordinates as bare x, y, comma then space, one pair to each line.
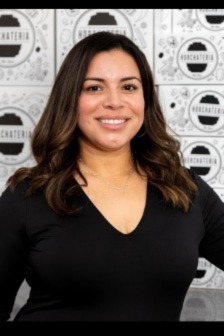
185, 48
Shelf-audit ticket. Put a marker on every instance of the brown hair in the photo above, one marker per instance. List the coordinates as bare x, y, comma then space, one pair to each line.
55, 145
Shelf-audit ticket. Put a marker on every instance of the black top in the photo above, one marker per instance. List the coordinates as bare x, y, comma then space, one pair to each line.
80, 268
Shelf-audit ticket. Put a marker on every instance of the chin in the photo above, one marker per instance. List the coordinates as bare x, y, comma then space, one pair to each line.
114, 146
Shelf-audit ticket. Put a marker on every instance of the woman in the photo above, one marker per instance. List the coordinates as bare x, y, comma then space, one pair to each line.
109, 224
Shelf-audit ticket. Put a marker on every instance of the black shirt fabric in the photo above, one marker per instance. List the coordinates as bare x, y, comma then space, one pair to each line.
80, 268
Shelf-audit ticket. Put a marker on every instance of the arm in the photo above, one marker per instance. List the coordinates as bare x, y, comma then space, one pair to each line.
13, 247
212, 207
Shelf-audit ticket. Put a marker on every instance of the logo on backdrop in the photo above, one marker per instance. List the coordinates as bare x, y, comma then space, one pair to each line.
203, 158
17, 38
199, 306
94, 20
197, 58
16, 127
212, 19
206, 111
205, 272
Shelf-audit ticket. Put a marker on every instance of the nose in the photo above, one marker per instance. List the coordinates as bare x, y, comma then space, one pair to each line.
113, 100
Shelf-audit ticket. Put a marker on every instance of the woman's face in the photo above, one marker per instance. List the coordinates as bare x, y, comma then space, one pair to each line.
111, 104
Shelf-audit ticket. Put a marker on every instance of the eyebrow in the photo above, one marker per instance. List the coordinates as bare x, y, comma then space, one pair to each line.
102, 80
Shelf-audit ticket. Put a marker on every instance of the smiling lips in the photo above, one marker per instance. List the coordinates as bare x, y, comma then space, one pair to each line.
112, 121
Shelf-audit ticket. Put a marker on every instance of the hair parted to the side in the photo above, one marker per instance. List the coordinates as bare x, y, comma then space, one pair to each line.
55, 145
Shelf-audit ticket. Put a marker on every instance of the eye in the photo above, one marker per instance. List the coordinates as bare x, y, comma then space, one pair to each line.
93, 88
130, 87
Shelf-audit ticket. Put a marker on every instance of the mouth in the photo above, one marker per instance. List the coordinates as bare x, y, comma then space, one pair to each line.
112, 121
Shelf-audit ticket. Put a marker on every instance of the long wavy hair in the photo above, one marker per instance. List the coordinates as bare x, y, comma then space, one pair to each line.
55, 145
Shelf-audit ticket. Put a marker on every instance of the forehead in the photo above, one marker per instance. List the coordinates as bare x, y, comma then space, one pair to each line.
115, 60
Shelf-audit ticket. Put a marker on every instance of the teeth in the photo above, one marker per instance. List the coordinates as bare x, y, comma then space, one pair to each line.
112, 121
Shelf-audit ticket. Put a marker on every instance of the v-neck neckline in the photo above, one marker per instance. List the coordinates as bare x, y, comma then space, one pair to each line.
136, 229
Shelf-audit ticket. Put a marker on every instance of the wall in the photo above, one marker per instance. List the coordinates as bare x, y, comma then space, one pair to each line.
185, 49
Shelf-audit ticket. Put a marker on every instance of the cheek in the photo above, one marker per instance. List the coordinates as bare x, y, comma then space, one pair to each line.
83, 107
83, 121
87, 103
139, 109
84, 110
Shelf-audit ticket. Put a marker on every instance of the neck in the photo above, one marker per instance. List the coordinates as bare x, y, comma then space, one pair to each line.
108, 163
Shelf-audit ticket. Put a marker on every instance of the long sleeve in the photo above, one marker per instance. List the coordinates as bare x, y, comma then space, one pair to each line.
212, 207
13, 247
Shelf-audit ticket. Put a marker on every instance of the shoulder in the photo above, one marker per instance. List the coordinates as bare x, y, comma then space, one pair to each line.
17, 194
13, 208
199, 181
206, 194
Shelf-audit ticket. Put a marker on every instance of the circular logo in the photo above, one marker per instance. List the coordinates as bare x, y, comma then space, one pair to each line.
95, 20
205, 272
203, 158
206, 111
16, 38
198, 306
197, 58
212, 19
16, 128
